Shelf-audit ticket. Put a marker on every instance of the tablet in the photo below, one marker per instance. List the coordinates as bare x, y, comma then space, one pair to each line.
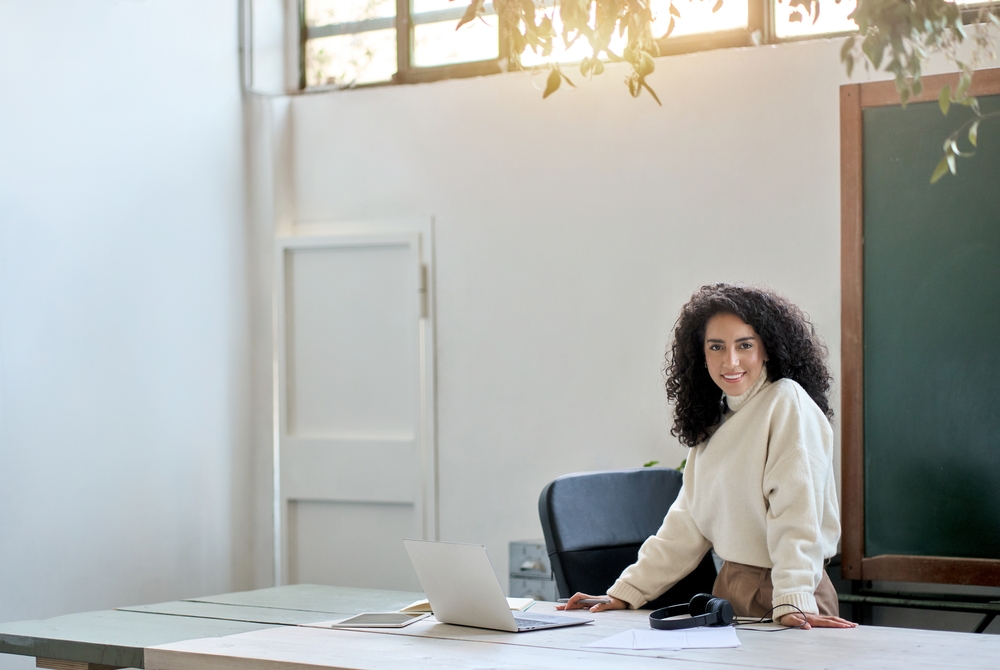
381, 620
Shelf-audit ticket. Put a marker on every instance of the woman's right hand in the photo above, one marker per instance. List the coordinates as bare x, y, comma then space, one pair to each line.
609, 603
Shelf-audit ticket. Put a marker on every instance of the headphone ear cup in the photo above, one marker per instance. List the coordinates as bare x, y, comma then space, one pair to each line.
723, 611
699, 604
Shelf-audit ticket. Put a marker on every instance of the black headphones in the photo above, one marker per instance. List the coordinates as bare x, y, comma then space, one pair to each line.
704, 610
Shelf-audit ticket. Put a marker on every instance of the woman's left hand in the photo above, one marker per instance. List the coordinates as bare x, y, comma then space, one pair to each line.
807, 621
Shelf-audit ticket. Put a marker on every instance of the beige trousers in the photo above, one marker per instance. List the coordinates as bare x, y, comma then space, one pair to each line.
749, 590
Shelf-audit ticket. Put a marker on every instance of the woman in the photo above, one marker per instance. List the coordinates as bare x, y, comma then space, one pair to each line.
746, 376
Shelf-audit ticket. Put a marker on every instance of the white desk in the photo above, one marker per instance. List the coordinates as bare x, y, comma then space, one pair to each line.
428, 644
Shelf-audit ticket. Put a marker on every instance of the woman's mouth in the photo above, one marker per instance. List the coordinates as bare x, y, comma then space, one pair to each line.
735, 377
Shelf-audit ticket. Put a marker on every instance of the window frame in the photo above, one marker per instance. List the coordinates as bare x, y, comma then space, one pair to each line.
406, 72
760, 19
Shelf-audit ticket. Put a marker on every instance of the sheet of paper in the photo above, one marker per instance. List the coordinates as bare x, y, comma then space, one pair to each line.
674, 640
623, 640
706, 637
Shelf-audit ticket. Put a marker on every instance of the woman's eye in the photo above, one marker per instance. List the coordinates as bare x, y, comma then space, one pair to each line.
746, 345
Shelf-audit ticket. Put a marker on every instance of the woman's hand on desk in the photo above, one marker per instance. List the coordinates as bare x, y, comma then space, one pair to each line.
807, 621
606, 603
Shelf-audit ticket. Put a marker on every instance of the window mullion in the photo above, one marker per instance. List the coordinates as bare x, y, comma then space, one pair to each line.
503, 46
404, 35
303, 36
764, 11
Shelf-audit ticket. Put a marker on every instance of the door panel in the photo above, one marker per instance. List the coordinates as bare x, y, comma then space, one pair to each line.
324, 537
352, 339
355, 457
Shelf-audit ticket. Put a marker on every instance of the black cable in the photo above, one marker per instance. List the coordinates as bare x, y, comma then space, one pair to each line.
764, 618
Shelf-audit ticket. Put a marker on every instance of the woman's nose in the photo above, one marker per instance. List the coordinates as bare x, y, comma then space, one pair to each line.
733, 358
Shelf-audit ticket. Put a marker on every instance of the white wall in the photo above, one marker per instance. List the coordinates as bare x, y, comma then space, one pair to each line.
124, 465
135, 335
569, 233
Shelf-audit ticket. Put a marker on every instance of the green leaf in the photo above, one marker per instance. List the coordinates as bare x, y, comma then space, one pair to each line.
963, 85
974, 133
849, 62
471, 12
717, 7
598, 67
944, 99
673, 10
873, 47
940, 170
651, 92
670, 27
649, 464
845, 51
568, 80
646, 64
552, 84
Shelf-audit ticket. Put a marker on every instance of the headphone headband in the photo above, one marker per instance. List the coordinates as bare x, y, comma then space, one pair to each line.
704, 609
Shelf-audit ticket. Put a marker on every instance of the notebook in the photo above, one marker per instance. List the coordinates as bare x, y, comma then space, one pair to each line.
463, 589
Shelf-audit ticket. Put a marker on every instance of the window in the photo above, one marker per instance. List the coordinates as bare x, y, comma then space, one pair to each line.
348, 43
832, 19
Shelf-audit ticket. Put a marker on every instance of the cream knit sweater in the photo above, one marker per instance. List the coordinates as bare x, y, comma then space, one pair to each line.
761, 490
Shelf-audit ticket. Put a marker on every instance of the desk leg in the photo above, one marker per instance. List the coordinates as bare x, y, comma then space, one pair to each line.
57, 664
985, 623
860, 612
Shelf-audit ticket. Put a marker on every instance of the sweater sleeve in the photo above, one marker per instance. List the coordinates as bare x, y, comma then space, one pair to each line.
664, 559
795, 486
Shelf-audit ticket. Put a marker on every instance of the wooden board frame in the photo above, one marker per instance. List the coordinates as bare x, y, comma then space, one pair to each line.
854, 99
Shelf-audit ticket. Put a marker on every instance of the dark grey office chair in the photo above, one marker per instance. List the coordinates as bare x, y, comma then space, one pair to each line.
594, 523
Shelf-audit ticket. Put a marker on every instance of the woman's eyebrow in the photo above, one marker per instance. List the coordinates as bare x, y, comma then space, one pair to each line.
744, 339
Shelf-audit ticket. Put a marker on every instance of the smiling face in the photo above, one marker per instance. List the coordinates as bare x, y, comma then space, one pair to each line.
734, 353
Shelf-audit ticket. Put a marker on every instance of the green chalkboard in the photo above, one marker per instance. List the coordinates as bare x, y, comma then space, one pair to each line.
931, 287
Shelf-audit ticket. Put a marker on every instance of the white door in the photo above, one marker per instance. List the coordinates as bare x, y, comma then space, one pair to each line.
355, 452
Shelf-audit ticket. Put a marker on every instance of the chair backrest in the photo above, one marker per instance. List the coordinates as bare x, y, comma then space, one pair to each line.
595, 522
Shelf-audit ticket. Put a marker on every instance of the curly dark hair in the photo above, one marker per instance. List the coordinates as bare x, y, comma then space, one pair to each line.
793, 349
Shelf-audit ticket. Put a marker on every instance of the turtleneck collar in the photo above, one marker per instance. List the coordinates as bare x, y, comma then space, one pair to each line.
737, 401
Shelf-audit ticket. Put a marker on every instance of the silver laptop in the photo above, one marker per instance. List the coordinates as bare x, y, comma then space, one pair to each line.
463, 589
